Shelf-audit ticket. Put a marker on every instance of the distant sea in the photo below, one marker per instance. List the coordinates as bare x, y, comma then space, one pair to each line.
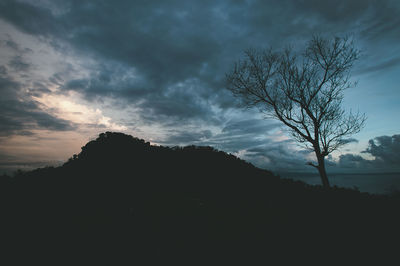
374, 183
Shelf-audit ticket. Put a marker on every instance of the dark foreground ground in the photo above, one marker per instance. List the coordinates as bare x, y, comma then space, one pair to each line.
124, 202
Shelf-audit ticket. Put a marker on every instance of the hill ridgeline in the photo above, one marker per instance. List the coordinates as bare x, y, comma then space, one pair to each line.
122, 201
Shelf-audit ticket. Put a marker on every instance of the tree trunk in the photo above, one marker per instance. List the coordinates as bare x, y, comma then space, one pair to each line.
322, 171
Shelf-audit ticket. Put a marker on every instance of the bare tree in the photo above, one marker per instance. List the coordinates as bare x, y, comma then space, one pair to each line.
304, 90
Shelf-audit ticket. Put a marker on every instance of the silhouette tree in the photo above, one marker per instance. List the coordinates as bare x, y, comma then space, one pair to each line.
304, 90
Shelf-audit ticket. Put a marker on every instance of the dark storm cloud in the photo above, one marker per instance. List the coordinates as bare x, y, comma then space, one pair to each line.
384, 65
384, 149
19, 115
239, 135
350, 140
167, 42
186, 137
249, 126
17, 63
174, 42
3, 72
10, 43
31, 19
38, 89
169, 59
173, 110
353, 161
57, 79
174, 104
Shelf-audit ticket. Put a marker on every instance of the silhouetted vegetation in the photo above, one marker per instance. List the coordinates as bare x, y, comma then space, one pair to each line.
304, 90
122, 201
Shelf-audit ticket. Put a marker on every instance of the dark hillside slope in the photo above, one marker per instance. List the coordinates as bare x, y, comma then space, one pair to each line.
122, 201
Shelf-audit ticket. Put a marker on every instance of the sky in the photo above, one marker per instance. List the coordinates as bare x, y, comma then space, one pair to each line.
70, 70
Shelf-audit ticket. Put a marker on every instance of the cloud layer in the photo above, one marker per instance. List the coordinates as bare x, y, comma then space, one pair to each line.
385, 151
156, 69
19, 115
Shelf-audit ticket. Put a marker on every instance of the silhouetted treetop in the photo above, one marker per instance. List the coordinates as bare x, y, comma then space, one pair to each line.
109, 143
116, 148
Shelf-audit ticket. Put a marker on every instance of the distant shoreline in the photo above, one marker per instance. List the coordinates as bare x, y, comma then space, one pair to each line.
335, 173
375, 183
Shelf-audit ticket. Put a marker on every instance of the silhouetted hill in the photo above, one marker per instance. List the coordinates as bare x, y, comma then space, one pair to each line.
122, 201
